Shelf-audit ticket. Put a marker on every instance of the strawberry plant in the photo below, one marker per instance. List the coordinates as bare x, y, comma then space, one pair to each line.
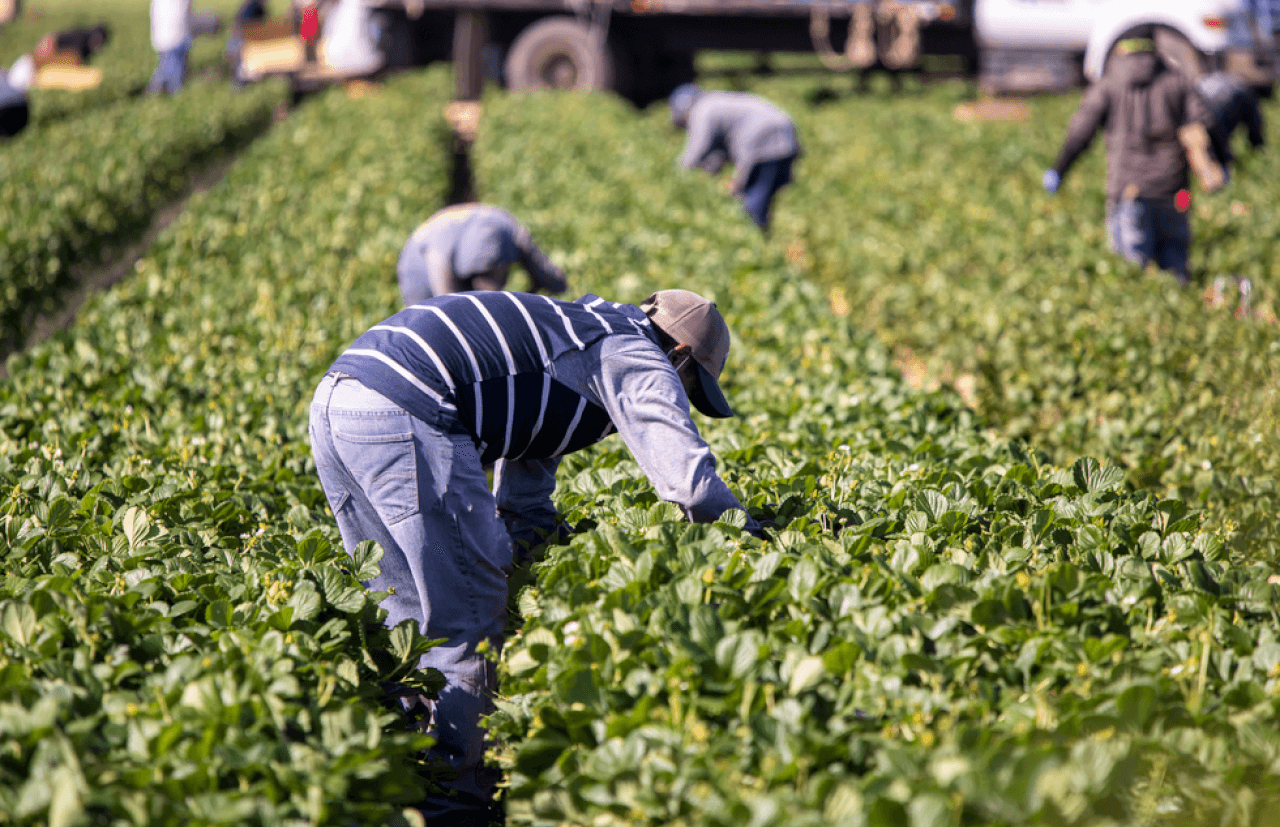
946, 629
62, 215
182, 637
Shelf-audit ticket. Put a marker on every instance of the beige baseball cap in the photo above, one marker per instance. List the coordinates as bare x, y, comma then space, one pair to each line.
692, 320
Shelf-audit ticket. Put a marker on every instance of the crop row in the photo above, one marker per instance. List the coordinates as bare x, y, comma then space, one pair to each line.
945, 627
182, 639
945, 630
65, 199
126, 61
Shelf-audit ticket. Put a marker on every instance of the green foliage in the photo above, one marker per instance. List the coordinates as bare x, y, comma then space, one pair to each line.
182, 638
71, 189
957, 619
944, 628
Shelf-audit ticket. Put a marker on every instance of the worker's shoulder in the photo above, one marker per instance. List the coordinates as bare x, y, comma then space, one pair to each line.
630, 349
736, 101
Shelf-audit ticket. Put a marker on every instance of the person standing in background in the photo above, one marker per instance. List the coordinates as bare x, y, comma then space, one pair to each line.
171, 38
1153, 118
758, 138
471, 247
250, 11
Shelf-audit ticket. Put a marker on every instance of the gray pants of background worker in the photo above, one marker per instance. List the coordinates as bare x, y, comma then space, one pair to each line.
1146, 230
419, 491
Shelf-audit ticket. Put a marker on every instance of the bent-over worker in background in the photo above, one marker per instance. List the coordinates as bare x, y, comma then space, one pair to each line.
471, 247
1152, 116
405, 420
1232, 104
758, 138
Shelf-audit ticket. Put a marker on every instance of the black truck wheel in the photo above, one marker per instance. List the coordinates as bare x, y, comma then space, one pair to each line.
559, 53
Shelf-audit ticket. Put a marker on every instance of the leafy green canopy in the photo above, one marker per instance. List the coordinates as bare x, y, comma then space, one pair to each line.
71, 189
182, 638
947, 629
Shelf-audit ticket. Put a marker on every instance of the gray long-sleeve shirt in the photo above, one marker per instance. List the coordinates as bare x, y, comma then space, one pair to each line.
632, 380
746, 128
471, 247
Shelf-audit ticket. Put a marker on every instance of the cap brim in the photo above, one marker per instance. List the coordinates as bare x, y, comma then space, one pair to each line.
706, 396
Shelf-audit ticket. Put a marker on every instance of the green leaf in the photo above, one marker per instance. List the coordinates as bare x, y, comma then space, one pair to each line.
19, 622
807, 673
136, 526
1089, 476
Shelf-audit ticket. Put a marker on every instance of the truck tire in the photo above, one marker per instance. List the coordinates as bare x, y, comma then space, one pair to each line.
559, 53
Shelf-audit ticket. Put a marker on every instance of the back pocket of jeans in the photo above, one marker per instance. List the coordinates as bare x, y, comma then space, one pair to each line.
386, 467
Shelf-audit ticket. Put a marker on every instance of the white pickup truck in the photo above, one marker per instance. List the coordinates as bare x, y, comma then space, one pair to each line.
1036, 44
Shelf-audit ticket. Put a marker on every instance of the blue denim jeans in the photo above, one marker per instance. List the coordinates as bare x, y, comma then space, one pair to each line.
1145, 230
419, 491
763, 183
171, 70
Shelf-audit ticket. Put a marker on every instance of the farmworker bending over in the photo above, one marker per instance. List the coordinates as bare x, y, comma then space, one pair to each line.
405, 420
1148, 110
1232, 104
471, 247
758, 138
171, 38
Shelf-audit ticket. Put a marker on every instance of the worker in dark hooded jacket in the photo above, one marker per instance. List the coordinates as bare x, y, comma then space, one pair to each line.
1232, 103
1148, 110
471, 247
758, 138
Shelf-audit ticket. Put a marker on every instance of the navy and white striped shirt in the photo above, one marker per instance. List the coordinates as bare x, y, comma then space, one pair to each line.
479, 360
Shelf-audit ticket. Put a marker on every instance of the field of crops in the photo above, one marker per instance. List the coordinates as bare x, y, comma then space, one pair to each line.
1043, 592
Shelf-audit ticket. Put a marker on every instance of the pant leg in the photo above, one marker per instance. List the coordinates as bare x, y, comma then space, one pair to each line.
1132, 230
421, 493
763, 183
1173, 244
170, 72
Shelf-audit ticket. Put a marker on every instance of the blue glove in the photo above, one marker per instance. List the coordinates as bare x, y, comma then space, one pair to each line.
1051, 181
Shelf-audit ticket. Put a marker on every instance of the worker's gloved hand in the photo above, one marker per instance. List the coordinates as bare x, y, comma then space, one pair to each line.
1052, 180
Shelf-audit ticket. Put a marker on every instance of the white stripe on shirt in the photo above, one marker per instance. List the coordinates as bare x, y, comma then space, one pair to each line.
542, 412
403, 371
533, 329
573, 426
435, 359
590, 310
567, 326
462, 340
497, 331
